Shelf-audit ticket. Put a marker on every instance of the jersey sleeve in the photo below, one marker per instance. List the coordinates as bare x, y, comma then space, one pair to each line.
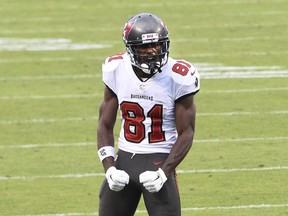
186, 79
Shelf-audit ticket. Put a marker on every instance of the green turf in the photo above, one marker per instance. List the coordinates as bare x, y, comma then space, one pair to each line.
49, 104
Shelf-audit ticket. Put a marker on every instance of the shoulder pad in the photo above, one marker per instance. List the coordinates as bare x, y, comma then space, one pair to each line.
183, 72
112, 62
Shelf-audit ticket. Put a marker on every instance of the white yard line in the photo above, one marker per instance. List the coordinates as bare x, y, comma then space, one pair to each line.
245, 90
44, 97
236, 69
52, 47
187, 209
48, 145
28, 60
263, 53
81, 144
52, 41
208, 73
13, 44
46, 44
49, 77
72, 30
244, 74
234, 25
86, 175
50, 59
65, 19
278, 112
47, 120
233, 170
70, 119
77, 96
223, 39
99, 58
235, 207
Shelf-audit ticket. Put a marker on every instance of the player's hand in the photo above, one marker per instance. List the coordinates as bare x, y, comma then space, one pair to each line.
153, 180
117, 179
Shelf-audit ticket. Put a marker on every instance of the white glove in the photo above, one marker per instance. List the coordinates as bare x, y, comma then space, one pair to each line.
117, 179
153, 180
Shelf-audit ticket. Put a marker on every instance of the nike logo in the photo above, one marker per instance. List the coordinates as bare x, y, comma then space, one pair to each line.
156, 163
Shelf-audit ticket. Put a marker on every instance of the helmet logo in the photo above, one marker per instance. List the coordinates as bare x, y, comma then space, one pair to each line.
151, 37
127, 28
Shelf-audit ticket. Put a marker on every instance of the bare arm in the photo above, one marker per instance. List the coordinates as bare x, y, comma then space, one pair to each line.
185, 114
107, 118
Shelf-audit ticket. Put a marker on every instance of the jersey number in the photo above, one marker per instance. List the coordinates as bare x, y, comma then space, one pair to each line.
134, 129
182, 67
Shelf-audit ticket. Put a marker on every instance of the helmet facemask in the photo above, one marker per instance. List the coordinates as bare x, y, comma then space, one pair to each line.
149, 63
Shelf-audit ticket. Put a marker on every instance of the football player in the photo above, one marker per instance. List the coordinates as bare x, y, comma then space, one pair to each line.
155, 96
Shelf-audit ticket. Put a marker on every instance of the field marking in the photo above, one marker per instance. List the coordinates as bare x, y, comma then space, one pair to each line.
42, 120
65, 176
70, 119
53, 19
250, 53
245, 90
72, 30
43, 60
208, 208
235, 25
81, 144
145, 5
49, 77
45, 44
235, 69
233, 170
242, 139
244, 74
49, 145
15, 41
278, 112
52, 47
89, 175
208, 73
234, 39
52, 41
44, 97
51, 59
235, 207
77, 96
34, 44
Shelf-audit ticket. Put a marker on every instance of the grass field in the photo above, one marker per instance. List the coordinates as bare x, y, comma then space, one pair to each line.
50, 89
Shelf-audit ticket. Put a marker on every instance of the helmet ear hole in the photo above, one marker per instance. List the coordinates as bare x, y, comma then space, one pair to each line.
142, 29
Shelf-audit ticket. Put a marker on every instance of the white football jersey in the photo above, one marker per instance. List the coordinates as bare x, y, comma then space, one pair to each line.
147, 108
